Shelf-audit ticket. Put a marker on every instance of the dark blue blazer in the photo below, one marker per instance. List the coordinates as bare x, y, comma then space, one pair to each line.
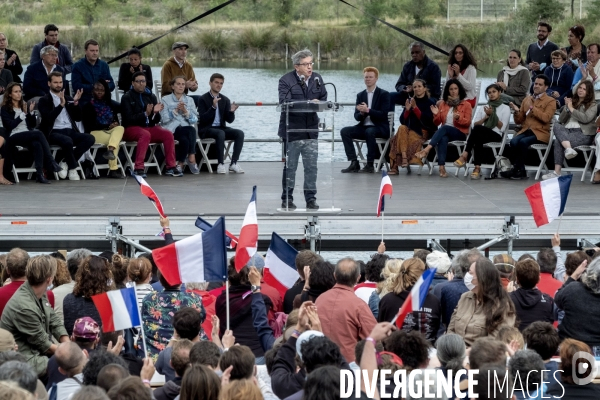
430, 73
35, 82
380, 106
305, 120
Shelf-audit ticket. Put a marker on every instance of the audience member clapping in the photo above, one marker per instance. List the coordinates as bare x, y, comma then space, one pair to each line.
576, 50
463, 67
561, 77
514, 79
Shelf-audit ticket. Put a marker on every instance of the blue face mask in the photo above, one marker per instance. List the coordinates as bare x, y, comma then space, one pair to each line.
469, 281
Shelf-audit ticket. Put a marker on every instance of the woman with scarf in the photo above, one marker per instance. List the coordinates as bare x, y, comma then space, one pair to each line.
453, 113
490, 123
101, 120
416, 127
462, 66
576, 126
514, 79
561, 77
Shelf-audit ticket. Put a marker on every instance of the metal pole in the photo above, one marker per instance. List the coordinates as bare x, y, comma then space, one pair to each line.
580, 7
510, 246
286, 53
448, 11
318, 52
482, 10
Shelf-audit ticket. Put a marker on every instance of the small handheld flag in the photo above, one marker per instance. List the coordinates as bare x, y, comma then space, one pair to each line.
150, 194
280, 265
198, 258
416, 298
548, 198
230, 240
118, 309
385, 188
248, 240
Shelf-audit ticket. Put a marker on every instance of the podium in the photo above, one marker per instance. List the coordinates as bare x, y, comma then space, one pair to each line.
309, 139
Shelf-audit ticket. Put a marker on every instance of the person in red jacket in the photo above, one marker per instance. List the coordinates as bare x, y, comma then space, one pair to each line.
453, 113
546, 258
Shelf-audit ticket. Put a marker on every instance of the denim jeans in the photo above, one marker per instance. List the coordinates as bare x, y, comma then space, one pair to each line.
309, 149
441, 138
519, 145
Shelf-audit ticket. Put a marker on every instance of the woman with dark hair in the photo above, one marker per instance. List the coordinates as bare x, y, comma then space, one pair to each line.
200, 383
19, 123
100, 118
514, 79
571, 365
490, 123
426, 321
93, 277
453, 113
576, 51
240, 310
416, 126
158, 310
323, 384
485, 308
134, 65
462, 66
318, 280
576, 126
561, 77
179, 115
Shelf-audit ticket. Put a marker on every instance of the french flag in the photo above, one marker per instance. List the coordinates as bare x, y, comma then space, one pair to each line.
385, 188
416, 298
150, 194
198, 258
230, 239
548, 198
118, 309
248, 240
280, 265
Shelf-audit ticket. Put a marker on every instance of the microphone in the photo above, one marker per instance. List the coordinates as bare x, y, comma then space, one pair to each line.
302, 80
318, 83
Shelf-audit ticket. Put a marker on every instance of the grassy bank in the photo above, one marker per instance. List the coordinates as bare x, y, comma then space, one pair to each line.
489, 42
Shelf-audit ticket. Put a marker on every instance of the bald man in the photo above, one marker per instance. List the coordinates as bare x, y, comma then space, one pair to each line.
71, 360
345, 318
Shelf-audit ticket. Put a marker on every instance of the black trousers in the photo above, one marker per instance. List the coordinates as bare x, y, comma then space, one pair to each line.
479, 136
36, 142
367, 133
186, 136
220, 134
69, 138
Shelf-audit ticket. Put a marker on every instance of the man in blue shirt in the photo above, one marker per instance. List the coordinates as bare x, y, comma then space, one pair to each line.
87, 70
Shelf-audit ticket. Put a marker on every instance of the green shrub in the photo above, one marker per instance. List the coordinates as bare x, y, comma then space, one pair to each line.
212, 44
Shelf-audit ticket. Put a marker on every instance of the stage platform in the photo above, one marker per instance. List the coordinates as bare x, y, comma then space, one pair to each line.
423, 207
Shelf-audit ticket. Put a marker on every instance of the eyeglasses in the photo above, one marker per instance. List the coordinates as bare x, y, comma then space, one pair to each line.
310, 64
142, 81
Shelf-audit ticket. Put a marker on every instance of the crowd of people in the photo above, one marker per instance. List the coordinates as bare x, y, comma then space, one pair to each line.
525, 317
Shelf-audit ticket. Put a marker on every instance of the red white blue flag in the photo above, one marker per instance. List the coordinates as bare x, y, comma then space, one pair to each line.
416, 298
248, 240
280, 265
150, 194
548, 198
118, 309
230, 239
385, 188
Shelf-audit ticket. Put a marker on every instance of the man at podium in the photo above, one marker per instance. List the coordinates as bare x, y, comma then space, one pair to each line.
300, 137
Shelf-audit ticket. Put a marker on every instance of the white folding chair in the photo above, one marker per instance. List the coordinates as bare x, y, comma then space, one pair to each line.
97, 167
157, 89
54, 150
588, 154
204, 146
31, 170
130, 147
542, 151
382, 143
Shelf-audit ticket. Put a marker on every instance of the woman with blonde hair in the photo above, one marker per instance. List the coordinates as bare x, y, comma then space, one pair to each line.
391, 268
242, 389
426, 321
139, 271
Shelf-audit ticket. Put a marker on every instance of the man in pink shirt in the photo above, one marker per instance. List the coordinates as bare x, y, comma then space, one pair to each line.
345, 318
16, 263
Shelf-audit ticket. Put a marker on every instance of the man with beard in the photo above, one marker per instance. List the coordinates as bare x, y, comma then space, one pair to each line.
539, 53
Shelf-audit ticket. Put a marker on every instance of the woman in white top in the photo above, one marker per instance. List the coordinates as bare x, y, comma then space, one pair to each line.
19, 123
462, 66
490, 123
139, 271
179, 115
576, 126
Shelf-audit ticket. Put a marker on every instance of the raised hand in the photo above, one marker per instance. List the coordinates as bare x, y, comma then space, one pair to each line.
61, 96
435, 110
149, 108
216, 101
254, 276
158, 108
77, 95
31, 107
407, 104
234, 107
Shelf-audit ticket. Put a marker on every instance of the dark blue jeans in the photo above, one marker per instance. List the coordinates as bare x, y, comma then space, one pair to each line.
69, 138
186, 136
309, 149
441, 138
220, 134
368, 133
519, 145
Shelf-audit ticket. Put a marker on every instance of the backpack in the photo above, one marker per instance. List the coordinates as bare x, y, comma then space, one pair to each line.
501, 164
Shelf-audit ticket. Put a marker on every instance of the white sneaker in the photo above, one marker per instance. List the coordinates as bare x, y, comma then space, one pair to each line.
73, 175
65, 169
221, 169
550, 175
236, 168
570, 153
